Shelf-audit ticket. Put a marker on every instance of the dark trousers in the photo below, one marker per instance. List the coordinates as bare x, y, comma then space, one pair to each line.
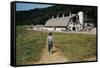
50, 45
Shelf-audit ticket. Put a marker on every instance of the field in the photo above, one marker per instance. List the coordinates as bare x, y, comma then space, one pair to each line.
29, 45
75, 47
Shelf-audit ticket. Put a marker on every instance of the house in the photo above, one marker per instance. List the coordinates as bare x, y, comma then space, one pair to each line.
73, 22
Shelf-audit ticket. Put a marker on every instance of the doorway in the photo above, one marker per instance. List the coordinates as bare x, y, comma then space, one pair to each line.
74, 29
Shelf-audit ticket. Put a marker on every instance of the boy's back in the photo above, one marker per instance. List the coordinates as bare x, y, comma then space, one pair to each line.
50, 42
50, 38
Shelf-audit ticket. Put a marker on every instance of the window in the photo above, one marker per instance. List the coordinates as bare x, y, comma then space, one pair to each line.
69, 26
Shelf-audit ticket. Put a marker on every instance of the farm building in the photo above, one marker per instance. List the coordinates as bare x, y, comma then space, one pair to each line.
38, 27
73, 22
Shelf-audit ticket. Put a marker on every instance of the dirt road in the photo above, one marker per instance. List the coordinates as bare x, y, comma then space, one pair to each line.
55, 57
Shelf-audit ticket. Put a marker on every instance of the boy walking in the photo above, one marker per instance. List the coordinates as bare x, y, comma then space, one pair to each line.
50, 43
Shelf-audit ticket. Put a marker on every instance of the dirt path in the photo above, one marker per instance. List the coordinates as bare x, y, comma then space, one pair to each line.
55, 57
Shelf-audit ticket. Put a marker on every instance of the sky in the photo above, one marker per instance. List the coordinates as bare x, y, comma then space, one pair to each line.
28, 6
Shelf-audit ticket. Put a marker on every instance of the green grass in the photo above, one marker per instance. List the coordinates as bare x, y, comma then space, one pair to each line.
29, 45
76, 47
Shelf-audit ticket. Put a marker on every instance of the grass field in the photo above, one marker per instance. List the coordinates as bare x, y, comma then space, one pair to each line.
75, 47
29, 45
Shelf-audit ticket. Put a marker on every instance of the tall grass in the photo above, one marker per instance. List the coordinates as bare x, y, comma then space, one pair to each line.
29, 45
76, 47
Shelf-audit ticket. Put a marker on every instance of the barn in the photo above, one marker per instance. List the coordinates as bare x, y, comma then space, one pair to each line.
73, 22
57, 24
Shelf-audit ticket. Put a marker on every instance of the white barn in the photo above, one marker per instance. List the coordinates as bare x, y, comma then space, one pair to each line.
72, 22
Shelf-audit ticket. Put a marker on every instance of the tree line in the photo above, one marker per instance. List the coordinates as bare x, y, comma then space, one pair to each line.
41, 15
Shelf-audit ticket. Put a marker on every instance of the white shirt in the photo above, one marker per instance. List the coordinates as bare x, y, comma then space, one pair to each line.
50, 38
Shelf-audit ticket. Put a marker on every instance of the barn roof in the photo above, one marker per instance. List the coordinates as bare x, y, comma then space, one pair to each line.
61, 21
